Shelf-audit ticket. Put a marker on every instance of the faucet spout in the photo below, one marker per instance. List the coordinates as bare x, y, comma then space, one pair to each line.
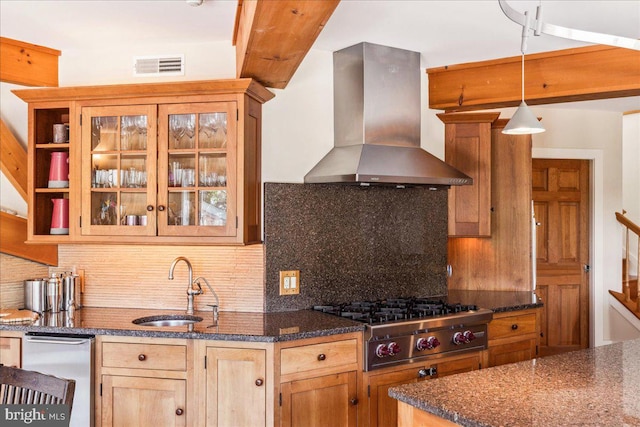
191, 292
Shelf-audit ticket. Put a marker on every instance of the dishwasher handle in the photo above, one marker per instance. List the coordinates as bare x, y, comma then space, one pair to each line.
56, 340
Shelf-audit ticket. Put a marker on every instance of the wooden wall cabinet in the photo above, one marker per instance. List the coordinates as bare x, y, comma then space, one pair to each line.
144, 381
381, 410
467, 145
513, 337
152, 163
502, 261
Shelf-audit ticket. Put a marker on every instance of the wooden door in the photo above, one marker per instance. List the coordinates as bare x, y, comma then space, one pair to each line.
236, 389
561, 205
137, 401
10, 351
329, 400
383, 410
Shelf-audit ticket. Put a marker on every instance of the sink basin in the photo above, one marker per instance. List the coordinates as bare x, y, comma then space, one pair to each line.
167, 320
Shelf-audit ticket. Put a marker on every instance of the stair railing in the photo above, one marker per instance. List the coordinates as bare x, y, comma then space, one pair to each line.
630, 227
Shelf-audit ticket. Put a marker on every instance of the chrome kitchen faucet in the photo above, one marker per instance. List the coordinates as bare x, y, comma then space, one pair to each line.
191, 292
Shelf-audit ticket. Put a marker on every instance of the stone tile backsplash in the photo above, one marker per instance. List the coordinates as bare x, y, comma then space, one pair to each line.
354, 243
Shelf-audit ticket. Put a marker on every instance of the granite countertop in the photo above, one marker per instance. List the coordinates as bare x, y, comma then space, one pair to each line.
231, 326
497, 301
598, 387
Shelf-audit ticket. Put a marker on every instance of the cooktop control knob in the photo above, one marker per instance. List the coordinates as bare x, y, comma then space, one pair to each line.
428, 343
382, 350
459, 338
469, 336
394, 349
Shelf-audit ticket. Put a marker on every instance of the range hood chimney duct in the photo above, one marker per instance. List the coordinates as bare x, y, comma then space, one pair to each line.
376, 93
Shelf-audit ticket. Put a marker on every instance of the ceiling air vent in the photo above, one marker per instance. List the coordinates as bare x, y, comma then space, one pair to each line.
170, 65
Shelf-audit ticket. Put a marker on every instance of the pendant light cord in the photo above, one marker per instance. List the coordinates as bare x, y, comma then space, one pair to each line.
523, 46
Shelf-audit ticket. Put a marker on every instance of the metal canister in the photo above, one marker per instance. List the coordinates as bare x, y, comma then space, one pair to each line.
35, 295
54, 293
69, 291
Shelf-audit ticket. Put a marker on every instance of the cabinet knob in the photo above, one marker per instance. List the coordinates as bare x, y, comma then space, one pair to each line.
142, 357
354, 401
150, 208
322, 357
161, 208
259, 382
514, 326
179, 411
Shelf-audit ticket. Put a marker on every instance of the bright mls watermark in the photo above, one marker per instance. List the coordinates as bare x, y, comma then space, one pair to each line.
34, 415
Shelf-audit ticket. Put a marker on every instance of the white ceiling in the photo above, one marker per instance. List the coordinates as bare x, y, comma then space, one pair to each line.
445, 32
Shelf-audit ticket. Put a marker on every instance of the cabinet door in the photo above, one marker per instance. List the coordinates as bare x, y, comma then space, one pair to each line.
10, 351
119, 170
236, 389
197, 179
512, 352
318, 402
458, 366
383, 410
137, 401
467, 147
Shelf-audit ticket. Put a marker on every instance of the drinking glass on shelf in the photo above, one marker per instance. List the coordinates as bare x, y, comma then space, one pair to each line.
176, 131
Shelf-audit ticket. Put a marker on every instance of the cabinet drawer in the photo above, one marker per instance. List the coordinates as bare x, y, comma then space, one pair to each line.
318, 356
512, 326
144, 356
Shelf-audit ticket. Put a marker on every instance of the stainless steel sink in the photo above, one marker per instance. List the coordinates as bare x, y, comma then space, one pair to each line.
167, 320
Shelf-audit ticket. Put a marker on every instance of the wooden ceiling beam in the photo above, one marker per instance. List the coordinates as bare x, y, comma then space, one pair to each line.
13, 230
581, 74
28, 64
13, 160
273, 37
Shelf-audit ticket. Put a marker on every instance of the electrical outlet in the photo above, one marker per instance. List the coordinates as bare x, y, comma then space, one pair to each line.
290, 282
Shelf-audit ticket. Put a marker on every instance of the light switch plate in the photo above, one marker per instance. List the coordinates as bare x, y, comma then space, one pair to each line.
290, 282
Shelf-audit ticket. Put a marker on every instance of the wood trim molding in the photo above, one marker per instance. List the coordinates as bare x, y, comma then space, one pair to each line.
28, 64
13, 160
13, 230
147, 90
272, 38
581, 74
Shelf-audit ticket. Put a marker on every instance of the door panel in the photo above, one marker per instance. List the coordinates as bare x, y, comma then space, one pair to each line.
561, 205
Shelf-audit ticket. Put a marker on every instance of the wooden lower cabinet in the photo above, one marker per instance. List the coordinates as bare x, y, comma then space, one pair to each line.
142, 401
143, 382
11, 349
382, 409
236, 387
329, 400
319, 381
513, 337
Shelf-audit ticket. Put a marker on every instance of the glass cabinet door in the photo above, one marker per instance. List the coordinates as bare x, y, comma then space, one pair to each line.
118, 170
197, 169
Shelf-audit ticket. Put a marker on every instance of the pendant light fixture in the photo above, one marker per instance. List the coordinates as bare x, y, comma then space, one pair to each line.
523, 122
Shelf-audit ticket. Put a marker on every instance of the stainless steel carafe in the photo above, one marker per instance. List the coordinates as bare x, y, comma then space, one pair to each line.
35, 295
69, 293
54, 293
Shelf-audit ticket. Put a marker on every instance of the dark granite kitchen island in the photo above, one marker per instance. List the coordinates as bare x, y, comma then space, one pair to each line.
592, 387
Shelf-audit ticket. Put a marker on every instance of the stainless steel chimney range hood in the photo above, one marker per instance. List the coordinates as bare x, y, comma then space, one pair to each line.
377, 123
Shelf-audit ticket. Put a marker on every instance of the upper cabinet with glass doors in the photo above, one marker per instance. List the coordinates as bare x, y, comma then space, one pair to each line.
162, 162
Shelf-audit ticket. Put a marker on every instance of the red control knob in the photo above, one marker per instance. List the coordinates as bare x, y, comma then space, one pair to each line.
382, 350
428, 343
394, 349
459, 338
469, 336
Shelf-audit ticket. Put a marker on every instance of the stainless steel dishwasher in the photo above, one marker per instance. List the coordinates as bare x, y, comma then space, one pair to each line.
67, 356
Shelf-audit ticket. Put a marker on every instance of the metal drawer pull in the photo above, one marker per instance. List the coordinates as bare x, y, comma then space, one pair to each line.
514, 326
322, 357
259, 382
179, 411
142, 357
